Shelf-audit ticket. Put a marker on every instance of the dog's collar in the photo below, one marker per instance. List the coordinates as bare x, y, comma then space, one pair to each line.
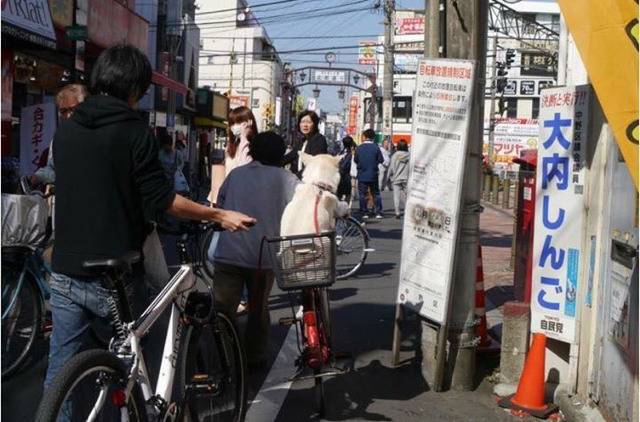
323, 186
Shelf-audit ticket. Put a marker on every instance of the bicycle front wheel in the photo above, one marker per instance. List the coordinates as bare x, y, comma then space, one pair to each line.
352, 242
91, 386
21, 317
212, 372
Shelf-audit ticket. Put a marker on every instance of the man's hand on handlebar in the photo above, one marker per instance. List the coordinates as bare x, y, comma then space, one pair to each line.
233, 220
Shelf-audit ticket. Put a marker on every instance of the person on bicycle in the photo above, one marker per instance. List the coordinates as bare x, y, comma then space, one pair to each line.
109, 184
262, 189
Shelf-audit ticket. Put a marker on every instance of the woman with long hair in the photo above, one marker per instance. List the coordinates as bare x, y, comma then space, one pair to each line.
242, 129
313, 142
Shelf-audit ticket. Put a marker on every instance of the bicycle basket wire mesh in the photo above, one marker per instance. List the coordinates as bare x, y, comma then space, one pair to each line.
24, 220
304, 260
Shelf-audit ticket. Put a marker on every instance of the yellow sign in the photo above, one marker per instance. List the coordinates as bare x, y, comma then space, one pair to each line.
606, 33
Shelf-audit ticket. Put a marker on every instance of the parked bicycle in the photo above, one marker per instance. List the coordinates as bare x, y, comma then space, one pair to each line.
308, 263
25, 277
352, 246
203, 371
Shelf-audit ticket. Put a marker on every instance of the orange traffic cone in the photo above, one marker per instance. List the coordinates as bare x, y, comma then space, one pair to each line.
529, 397
481, 313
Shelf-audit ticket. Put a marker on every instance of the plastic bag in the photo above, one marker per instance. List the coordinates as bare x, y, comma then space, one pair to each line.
24, 220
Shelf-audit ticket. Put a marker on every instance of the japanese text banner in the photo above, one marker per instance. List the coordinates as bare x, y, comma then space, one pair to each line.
560, 185
37, 127
606, 33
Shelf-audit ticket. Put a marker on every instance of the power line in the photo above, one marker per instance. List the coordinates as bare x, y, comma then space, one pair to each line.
342, 47
299, 37
235, 9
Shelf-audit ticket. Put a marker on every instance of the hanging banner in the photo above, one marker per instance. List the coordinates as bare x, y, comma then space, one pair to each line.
37, 127
510, 136
353, 115
606, 34
441, 117
367, 52
560, 187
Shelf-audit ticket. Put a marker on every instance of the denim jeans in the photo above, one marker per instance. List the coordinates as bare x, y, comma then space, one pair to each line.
375, 191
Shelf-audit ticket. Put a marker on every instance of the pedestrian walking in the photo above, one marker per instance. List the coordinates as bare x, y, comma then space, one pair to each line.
242, 129
384, 167
313, 142
344, 187
105, 215
368, 157
399, 175
262, 189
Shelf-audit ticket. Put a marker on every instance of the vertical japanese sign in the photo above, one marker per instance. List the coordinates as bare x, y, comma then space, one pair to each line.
557, 251
367, 52
37, 127
353, 115
443, 96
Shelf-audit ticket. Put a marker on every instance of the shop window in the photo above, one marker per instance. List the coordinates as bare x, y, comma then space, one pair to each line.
402, 109
512, 108
535, 108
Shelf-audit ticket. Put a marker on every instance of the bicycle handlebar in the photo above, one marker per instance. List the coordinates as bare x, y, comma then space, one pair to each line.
25, 185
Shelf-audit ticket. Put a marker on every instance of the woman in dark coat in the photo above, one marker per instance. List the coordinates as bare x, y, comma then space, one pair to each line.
313, 143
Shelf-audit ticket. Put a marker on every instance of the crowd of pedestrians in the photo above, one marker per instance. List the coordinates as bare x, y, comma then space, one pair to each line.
137, 179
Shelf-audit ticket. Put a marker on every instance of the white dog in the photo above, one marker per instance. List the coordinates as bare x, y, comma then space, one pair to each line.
315, 207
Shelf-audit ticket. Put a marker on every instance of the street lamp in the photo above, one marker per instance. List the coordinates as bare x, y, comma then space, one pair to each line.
316, 92
356, 79
341, 93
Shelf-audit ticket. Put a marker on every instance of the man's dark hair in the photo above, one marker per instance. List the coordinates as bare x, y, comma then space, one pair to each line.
369, 134
402, 145
121, 71
314, 118
268, 148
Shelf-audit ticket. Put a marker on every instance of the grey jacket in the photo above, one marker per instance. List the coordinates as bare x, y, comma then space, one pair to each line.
399, 167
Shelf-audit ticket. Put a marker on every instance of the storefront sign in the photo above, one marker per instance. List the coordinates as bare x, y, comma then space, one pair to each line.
37, 126
367, 53
236, 101
61, 12
110, 23
544, 84
29, 20
442, 106
511, 88
77, 32
557, 252
353, 115
410, 26
527, 87
414, 46
510, 136
339, 76
534, 63
406, 63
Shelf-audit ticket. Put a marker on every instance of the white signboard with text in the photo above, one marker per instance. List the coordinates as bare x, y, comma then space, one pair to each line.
560, 187
37, 127
442, 104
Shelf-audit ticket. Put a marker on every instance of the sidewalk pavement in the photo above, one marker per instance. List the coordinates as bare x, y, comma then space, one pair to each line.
496, 233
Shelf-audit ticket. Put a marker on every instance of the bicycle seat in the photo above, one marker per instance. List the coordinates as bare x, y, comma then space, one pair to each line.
123, 263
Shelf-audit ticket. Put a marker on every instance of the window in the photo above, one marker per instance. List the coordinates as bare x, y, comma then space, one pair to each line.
402, 109
512, 108
535, 108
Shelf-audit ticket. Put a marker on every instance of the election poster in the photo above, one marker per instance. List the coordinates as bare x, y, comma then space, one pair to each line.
441, 116
560, 187
37, 127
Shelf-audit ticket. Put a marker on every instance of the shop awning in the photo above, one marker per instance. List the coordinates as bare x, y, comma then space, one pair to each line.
206, 122
162, 80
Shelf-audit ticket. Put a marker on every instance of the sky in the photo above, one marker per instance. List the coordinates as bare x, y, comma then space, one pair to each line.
326, 20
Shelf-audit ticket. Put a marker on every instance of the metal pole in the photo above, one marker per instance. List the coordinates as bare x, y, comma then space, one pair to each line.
492, 106
244, 62
387, 90
232, 58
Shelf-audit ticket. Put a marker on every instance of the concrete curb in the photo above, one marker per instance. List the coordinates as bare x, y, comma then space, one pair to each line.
574, 410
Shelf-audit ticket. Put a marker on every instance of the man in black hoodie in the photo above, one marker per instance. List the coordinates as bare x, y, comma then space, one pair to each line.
109, 185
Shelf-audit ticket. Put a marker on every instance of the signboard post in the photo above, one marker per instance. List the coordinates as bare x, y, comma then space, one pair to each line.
560, 181
441, 119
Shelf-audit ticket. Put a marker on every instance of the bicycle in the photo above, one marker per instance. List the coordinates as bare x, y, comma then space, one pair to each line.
203, 370
307, 263
25, 290
352, 246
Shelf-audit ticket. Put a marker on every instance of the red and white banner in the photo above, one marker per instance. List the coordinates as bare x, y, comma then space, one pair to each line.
353, 115
367, 53
410, 26
37, 127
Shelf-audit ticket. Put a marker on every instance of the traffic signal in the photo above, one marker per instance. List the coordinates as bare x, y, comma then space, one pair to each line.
501, 77
510, 57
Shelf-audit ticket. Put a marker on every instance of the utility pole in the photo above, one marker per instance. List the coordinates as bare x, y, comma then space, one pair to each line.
387, 91
492, 105
466, 38
232, 60
432, 28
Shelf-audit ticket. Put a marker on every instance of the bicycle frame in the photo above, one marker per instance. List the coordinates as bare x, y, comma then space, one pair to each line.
35, 265
175, 294
317, 342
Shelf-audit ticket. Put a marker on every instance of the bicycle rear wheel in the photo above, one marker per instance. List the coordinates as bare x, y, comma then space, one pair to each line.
92, 383
21, 317
352, 242
212, 372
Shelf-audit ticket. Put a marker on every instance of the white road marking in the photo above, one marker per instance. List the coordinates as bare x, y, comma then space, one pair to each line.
267, 403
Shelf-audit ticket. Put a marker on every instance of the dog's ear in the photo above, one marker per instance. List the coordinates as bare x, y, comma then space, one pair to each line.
306, 158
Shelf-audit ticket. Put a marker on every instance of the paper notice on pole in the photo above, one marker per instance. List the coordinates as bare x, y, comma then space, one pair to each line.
441, 116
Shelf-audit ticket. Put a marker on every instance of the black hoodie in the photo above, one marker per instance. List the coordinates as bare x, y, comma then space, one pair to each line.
109, 183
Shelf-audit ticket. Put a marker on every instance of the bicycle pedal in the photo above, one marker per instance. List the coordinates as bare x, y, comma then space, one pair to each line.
287, 321
202, 383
